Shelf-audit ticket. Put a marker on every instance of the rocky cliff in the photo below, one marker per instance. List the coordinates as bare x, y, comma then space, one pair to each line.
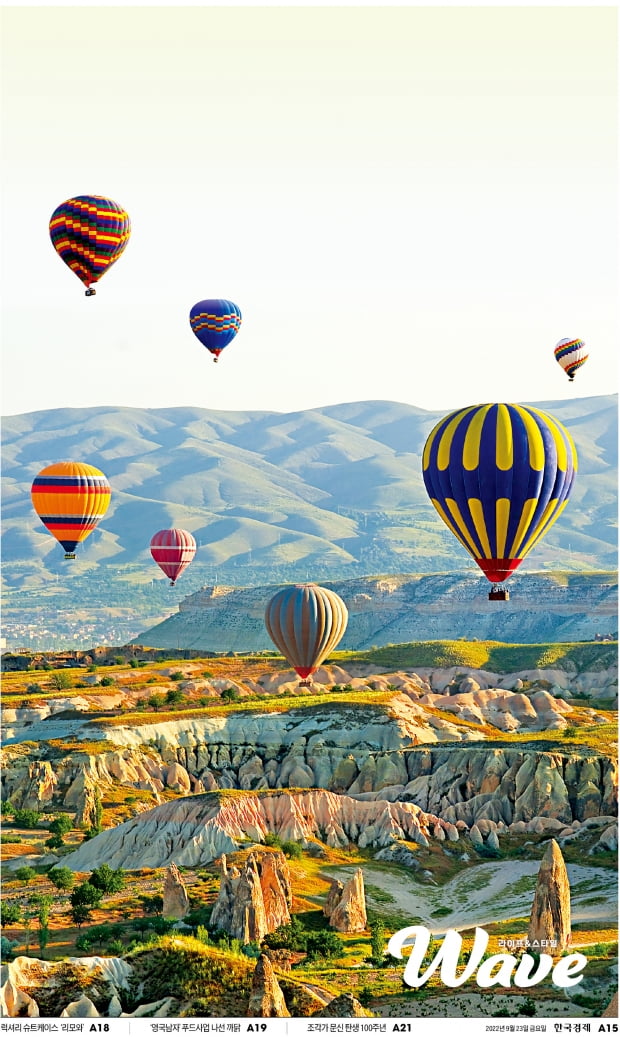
396, 609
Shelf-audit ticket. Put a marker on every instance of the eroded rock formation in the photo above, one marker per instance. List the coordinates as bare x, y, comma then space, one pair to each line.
346, 904
256, 900
176, 899
345, 1006
550, 915
266, 998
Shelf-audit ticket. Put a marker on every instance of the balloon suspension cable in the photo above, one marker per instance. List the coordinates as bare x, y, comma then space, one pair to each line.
90, 291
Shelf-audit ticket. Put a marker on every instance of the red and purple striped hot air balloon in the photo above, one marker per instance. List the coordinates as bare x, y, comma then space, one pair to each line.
70, 498
173, 550
89, 233
306, 622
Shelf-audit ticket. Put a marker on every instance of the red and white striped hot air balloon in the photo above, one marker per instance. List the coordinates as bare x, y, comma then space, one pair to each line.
173, 550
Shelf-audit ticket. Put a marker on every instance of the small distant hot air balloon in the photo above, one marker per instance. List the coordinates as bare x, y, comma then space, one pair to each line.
499, 475
173, 550
215, 322
89, 233
306, 622
570, 354
70, 498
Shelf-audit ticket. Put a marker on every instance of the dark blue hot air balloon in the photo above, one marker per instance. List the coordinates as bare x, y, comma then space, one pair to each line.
499, 475
215, 322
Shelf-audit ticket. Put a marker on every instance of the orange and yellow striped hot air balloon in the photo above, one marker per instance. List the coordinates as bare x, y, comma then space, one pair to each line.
70, 498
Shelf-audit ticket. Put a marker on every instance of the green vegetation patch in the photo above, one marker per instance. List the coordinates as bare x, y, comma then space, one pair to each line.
488, 655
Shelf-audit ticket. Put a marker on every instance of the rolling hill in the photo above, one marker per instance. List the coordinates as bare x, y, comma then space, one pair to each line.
335, 491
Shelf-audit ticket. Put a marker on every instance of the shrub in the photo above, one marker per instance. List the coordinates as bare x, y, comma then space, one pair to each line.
229, 695
61, 825
105, 682
324, 944
62, 878
292, 849
107, 879
86, 895
25, 873
7, 837
34, 689
26, 818
7, 948
174, 696
60, 681
54, 842
271, 839
11, 912
177, 676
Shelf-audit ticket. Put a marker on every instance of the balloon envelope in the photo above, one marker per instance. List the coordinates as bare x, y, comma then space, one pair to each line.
89, 233
570, 354
499, 475
70, 498
306, 622
173, 550
215, 322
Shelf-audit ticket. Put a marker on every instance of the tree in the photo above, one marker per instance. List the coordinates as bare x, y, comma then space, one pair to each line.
11, 912
25, 873
292, 849
26, 818
62, 878
107, 880
229, 695
377, 942
86, 895
174, 696
54, 842
155, 701
43, 903
324, 944
80, 913
60, 681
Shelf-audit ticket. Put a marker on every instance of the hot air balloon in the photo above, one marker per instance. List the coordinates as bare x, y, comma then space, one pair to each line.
173, 550
89, 233
215, 322
499, 475
570, 354
306, 622
70, 498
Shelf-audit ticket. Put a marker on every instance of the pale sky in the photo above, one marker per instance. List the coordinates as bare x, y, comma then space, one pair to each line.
407, 203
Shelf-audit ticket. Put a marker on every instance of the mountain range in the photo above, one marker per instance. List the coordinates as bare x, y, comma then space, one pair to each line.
336, 489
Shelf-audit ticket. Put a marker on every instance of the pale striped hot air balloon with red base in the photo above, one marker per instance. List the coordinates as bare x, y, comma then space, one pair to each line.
571, 354
306, 622
173, 550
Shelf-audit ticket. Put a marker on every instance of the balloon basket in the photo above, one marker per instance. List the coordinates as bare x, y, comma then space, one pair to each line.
69, 554
90, 291
307, 683
499, 594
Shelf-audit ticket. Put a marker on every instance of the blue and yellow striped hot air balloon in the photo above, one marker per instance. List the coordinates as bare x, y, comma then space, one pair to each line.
215, 322
70, 498
306, 622
499, 475
89, 233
